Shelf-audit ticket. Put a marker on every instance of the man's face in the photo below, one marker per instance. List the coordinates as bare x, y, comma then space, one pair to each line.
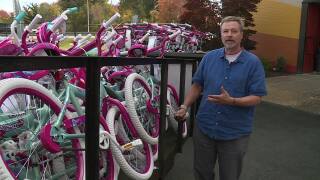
231, 35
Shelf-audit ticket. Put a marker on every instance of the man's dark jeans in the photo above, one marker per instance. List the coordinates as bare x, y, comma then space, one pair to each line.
228, 153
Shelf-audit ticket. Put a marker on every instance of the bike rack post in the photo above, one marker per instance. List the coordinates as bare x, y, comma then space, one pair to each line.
163, 108
194, 107
92, 113
181, 99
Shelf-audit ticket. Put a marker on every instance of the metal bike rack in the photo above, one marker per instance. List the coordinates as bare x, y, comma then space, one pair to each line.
167, 147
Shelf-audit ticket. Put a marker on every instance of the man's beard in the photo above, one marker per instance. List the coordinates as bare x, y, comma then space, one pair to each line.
229, 45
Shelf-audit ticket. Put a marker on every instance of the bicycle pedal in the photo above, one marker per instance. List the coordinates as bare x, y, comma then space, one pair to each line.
132, 144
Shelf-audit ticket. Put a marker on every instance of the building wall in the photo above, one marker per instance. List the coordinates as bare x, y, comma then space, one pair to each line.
278, 26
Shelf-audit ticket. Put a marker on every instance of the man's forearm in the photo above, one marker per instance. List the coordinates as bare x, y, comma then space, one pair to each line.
246, 101
192, 95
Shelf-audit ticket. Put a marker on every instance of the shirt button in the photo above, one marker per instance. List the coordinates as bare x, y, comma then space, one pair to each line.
218, 112
225, 77
216, 124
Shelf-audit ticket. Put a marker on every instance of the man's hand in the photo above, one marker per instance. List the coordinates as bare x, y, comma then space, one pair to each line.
223, 98
181, 114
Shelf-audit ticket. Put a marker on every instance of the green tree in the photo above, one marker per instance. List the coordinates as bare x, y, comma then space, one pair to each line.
242, 8
100, 11
31, 11
142, 8
77, 22
49, 11
64, 4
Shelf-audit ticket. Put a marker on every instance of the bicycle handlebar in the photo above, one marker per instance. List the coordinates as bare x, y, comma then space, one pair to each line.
171, 36
145, 37
73, 9
58, 22
34, 22
84, 40
20, 16
118, 39
111, 20
110, 36
14, 35
69, 11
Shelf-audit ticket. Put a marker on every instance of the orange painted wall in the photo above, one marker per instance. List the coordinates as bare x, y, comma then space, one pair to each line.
278, 26
271, 47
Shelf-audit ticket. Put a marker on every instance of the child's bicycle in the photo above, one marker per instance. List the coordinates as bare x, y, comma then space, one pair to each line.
42, 138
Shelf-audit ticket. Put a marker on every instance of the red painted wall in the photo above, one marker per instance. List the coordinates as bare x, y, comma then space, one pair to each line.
312, 37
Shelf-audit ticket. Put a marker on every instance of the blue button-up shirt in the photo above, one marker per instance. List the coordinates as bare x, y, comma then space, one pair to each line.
243, 77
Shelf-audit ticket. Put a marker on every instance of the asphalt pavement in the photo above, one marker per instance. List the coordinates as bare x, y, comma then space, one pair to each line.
285, 142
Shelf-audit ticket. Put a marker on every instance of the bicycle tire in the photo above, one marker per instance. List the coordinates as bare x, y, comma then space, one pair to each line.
32, 93
147, 132
173, 102
142, 167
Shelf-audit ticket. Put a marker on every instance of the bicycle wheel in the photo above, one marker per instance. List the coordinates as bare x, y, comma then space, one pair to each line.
25, 108
137, 162
145, 121
173, 103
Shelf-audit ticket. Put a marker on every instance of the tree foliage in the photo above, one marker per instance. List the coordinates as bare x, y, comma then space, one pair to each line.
242, 8
169, 10
49, 11
5, 17
31, 11
206, 17
98, 11
142, 8
78, 20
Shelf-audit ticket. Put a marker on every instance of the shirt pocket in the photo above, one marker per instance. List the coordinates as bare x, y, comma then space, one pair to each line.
239, 87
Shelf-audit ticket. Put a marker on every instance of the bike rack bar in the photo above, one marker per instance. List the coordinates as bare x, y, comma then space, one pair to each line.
93, 64
23, 63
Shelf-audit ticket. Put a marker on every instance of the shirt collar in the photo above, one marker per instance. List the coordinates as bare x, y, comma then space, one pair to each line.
240, 58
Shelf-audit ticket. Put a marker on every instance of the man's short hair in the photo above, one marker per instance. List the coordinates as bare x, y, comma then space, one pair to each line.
240, 20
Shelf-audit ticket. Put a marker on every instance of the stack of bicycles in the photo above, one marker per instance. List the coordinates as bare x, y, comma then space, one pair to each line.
42, 113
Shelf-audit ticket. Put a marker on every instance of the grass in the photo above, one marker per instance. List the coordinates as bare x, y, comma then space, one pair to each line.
66, 44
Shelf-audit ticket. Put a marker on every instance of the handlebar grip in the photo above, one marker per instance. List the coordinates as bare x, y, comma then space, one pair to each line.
123, 53
111, 20
34, 22
171, 36
20, 16
72, 10
85, 39
58, 22
144, 37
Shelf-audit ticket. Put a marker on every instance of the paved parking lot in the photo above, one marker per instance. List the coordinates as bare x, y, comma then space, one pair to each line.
285, 142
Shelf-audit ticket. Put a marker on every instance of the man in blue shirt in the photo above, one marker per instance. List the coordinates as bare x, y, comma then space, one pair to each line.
232, 82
